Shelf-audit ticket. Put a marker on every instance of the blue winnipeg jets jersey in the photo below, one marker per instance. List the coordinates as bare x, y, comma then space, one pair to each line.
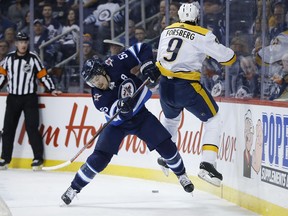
123, 83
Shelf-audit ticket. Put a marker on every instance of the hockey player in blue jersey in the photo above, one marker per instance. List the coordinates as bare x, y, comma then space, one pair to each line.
112, 87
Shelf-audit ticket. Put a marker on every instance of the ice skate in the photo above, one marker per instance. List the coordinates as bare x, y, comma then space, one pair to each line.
210, 174
163, 165
37, 165
69, 195
186, 183
3, 164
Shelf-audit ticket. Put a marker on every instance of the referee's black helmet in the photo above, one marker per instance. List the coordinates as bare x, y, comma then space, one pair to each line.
21, 36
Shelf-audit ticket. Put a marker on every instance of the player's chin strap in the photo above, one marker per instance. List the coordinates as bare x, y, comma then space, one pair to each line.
96, 135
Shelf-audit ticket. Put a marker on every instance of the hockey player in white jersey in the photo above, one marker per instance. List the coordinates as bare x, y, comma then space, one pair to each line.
183, 46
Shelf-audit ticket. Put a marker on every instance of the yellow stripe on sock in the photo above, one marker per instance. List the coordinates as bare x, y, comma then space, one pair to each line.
208, 147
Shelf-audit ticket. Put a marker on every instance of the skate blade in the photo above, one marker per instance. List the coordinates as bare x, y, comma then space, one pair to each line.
165, 170
5, 167
37, 168
204, 176
62, 204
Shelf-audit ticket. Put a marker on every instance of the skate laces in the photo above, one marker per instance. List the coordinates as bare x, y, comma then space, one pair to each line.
184, 180
70, 193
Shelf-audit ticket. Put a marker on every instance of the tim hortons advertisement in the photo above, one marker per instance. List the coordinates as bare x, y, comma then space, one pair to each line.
252, 154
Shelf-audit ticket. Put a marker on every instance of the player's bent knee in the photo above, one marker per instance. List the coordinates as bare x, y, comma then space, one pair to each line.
167, 149
99, 160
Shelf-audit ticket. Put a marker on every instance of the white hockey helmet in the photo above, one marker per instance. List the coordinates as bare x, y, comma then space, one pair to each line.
188, 12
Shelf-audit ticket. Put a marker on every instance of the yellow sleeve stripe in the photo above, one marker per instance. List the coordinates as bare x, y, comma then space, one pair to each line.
3, 71
42, 73
189, 75
210, 147
230, 62
198, 88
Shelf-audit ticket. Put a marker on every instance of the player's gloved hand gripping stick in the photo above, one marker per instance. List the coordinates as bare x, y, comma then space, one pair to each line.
97, 134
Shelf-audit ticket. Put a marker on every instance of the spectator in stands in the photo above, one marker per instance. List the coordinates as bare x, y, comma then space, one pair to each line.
131, 33
54, 29
69, 41
163, 23
256, 28
88, 6
173, 12
279, 12
98, 23
17, 11
88, 51
154, 42
136, 13
212, 73
53, 26
140, 35
281, 79
4, 24
154, 26
257, 47
24, 25
60, 11
115, 47
248, 78
4, 7
9, 36
41, 35
38, 7
240, 46
214, 18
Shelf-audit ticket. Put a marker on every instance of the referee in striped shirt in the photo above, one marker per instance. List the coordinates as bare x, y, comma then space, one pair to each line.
21, 69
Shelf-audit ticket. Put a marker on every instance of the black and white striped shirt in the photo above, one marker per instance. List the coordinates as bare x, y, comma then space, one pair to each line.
22, 73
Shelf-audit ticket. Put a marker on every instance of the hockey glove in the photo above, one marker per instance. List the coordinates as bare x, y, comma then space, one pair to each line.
126, 105
148, 69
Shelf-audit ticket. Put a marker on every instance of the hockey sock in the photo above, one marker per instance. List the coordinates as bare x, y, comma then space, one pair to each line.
169, 152
209, 153
95, 163
84, 175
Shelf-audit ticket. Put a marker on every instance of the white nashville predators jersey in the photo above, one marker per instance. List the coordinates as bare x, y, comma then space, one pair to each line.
184, 47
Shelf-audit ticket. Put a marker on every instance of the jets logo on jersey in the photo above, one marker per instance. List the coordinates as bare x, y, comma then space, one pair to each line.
127, 88
109, 62
96, 97
104, 15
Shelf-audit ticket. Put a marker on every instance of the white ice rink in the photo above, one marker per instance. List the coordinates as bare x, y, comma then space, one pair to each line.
29, 193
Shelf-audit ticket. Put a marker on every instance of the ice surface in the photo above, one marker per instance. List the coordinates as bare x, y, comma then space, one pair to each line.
29, 193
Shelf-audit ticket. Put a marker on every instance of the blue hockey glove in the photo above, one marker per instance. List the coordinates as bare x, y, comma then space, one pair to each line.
148, 69
126, 105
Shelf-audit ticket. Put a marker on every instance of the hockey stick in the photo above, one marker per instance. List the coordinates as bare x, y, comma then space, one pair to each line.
95, 136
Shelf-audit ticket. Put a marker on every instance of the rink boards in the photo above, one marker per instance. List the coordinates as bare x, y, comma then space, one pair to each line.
253, 153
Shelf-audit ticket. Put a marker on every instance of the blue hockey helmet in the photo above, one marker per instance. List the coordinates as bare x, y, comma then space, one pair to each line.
91, 68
